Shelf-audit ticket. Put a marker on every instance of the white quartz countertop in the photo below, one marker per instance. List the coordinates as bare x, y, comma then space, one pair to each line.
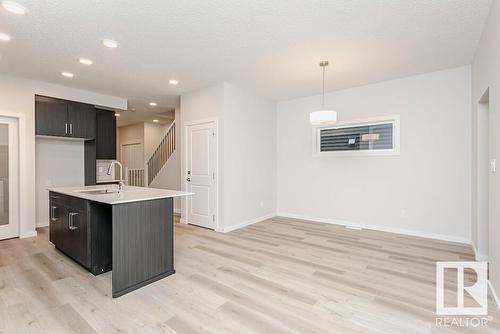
127, 195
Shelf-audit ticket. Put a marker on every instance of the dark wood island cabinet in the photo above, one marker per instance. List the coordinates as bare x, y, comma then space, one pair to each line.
129, 232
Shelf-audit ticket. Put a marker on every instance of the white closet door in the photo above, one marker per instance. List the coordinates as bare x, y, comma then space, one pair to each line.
132, 156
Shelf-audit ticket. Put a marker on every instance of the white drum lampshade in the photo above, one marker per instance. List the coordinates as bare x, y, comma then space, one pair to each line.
323, 117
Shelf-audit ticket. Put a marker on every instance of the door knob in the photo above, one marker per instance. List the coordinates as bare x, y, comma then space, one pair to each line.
188, 179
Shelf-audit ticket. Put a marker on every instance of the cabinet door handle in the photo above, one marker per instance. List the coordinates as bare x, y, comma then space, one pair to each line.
53, 213
71, 223
66, 128
70, 128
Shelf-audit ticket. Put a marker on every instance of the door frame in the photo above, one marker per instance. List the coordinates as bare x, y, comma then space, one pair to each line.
483, 158
186, 125
24, 231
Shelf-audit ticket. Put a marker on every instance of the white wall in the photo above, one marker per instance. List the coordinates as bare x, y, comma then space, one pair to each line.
170, 177
423, 191
18, 95
60, 163
246, 148
203, 104
153, 134
486, 74
249, 157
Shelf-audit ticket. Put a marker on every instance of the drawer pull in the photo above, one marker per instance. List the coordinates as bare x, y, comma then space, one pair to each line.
71, 223
53, 213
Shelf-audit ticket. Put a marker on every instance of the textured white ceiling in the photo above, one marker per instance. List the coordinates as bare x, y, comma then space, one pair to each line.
272, 46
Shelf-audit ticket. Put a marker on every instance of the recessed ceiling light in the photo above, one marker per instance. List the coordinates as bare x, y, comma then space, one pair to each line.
153, 104
4, 37
85, 61
110, 43
14, 7
67, 74
117, 114
155, 120
173, 82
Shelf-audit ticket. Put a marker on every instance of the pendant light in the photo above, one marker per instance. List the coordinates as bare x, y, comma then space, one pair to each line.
323, 116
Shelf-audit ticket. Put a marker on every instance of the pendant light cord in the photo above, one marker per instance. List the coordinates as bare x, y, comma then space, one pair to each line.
323, 99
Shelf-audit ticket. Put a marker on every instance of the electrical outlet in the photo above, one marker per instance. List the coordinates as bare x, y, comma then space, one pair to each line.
404, 213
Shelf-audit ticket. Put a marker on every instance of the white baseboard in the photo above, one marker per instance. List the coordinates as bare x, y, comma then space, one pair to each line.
42, 224
183, 221
246, 223
28, 234
495, 296
378, 228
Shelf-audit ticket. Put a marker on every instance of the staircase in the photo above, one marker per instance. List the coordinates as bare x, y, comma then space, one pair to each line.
161, 155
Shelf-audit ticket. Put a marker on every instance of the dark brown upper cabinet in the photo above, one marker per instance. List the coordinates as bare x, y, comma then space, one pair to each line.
105, 135
61, 118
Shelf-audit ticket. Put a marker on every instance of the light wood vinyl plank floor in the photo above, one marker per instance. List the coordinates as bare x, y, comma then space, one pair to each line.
278, 276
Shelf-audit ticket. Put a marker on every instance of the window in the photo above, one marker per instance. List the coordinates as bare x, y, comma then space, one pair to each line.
363, 137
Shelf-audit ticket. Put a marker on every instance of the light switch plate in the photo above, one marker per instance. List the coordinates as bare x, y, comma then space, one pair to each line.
493, 165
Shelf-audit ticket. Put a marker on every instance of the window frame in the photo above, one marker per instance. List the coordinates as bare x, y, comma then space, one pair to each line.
394, 119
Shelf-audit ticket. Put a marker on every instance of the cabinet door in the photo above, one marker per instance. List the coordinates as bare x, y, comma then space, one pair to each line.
62, 230
51, 117
81, 120
55, 220
77, 236
106, 135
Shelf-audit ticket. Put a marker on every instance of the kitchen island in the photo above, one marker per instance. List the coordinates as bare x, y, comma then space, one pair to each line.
128, 231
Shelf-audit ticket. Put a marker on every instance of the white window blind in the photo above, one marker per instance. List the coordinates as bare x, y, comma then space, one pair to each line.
358, 138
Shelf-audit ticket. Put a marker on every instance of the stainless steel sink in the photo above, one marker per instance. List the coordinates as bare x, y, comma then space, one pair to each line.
98, 191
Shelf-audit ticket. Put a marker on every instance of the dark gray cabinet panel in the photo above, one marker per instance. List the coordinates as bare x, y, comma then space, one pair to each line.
105, 135
100, 237
142, 244
76, 236
81, 120
61, 118
51, 117
63, 240
81, 229
90, 163
69, 226
55, 219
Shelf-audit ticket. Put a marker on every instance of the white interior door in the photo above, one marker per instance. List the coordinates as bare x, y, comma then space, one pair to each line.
200, 178
132, 156
9, 178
